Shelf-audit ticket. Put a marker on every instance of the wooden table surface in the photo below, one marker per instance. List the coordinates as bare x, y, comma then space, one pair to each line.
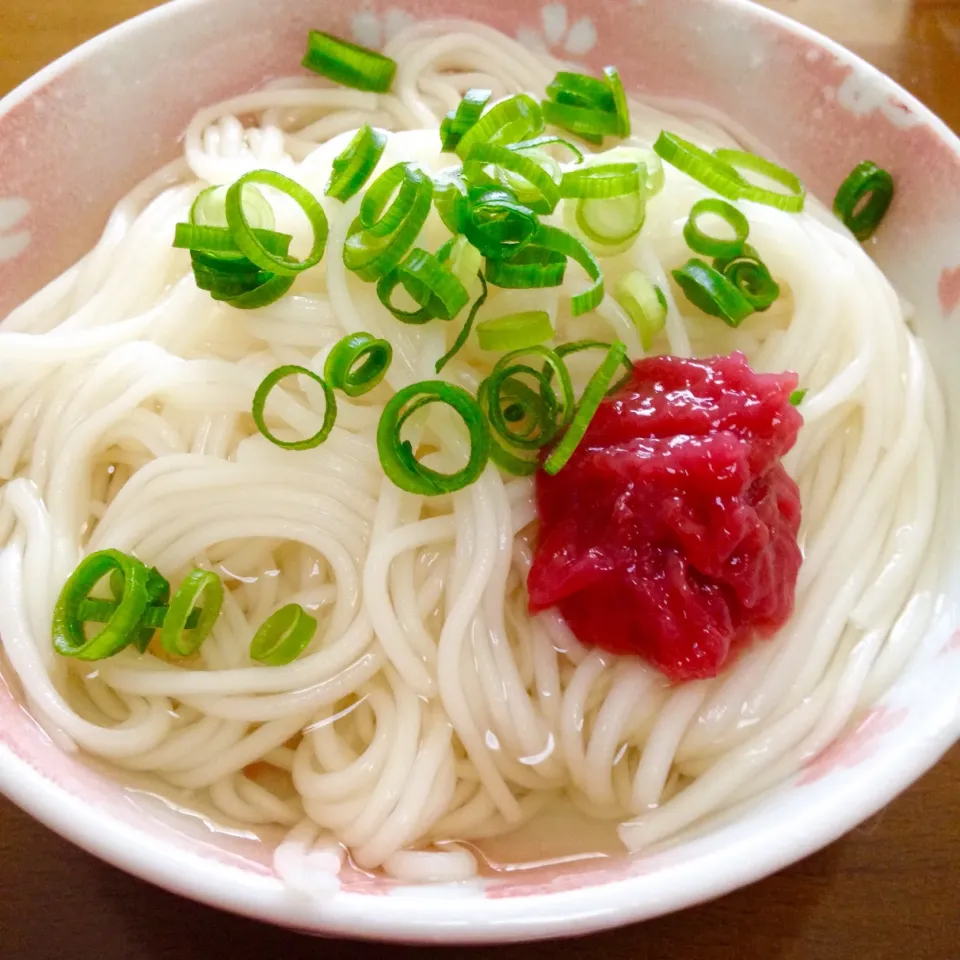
891, 889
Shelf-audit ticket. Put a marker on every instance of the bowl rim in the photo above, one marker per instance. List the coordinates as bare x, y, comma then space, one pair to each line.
430, 919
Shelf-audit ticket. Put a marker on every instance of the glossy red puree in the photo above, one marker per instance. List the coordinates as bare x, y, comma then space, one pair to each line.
672, 531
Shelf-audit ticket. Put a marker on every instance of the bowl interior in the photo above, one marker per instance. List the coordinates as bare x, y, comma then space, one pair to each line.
88, 128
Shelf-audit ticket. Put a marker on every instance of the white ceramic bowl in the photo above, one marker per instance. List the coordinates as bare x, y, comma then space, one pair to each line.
84, 130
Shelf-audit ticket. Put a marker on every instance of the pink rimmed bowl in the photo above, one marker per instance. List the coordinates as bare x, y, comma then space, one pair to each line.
88, 127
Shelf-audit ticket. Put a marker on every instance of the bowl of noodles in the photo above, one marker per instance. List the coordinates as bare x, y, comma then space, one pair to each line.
470, 481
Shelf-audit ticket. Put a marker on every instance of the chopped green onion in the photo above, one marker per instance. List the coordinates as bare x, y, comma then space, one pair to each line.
515, 331
508, 368
283, 636
268, 292
792, 201
593, 395
536, 143
517, 118
796, 398
69, 639
581, 90
699, 164
864, 198
578, 346
247, 239
611, 223
602, 180
588, 123
176, 637
329, 412
462, 258
644, 303
619, 100
381, 235
210, 208
450, 199
433, 286
546, 192
457, 122
357, 363
712, 292
749, 274
158, 594
93, 610
532, 267
352, 168
700, 242
397, 456
348, 63
497, 224
466, 328
220, 240
552, 238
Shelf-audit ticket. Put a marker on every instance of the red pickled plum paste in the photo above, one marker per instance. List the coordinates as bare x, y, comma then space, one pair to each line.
672, 531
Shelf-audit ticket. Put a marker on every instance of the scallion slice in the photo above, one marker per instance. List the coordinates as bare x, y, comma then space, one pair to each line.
357, 363
394, 209
69, 639
749, 274
532, 267
712, 292
466, 328
268, 292
586, 122
796, 398
397, 456
515, 330
864, 198
581, 90
791, 201
546, 193
348, 63
352, 167
591, 399
517, 118
246, 238
699, 164
497, 224
220, 240
710, 246
602, 180
559, 241
176, 637
210, 208
260, 402
433, 286
283, 636
644, 303
619, 100
457, 122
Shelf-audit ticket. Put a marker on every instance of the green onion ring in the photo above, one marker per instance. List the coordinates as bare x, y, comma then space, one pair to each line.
517, 118
546, 140
703, 243
481, 154
552, 238
247, 240
439, 293
869, 188
533, 267
283, 636
329, 412
348, 63
357, 363
712, 292
209, 208
581, 90
699, 164
588, 123
219, 240
352, 168
457, 122
796, 398
268, 292
466, 328
158, 595
69, 639
749, 274
619, 100
552, 365
792, 201
397, 456
497, 224
176, 637
515, 330
603, 180
593, 395
540, 410
644, 303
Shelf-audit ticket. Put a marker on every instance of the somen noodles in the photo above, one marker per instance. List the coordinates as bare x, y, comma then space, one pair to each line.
431, 709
